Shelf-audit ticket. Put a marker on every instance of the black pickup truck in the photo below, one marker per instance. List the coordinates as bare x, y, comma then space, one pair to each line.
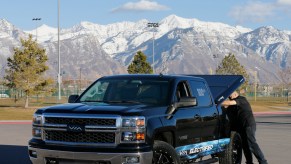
140, 119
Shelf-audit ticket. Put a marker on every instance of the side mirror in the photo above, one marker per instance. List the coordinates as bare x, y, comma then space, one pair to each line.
187, 102
72, 98
170, 110
184, 102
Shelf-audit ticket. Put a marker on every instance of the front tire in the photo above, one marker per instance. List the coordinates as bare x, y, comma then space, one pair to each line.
164, 153
233, 152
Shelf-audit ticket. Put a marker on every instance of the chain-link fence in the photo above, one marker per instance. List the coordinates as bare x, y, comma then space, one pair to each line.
267, 92
279, 93
68, 87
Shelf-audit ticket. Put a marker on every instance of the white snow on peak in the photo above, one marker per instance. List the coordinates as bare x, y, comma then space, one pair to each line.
174, 21
6, 28
208, 28
120, 32
243, 29
46, 29
118, 37
287, 32
5, 25
44, 33
270, 35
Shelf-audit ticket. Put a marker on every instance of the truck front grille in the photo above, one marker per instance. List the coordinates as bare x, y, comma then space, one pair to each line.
97, 130
81, 121
88, 137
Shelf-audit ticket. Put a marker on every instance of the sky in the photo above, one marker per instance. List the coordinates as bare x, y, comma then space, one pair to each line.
247, 13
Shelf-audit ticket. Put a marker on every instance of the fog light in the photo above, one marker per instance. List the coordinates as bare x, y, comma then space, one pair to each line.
131, 160
36, 132
32, 153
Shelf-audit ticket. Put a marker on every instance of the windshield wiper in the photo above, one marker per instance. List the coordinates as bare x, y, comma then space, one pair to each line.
113, 101
122, 101
92, 101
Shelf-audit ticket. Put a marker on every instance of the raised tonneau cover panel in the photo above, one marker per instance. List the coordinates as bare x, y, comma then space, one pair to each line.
221, 86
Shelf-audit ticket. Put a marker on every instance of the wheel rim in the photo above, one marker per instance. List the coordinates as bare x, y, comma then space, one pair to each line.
236, 151
162, 157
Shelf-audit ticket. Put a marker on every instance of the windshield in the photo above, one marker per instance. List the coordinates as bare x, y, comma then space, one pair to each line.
128, 91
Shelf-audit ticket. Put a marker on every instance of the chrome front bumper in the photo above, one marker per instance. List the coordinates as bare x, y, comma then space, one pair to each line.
39, 156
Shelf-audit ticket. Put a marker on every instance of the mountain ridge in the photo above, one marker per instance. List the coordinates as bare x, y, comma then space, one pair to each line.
181, 45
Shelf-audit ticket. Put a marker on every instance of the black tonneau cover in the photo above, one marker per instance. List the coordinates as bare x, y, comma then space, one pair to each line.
221, 86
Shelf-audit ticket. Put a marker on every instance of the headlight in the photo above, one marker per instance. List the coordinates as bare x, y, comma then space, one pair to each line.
133, 129
37, 119
37, 122
138, 122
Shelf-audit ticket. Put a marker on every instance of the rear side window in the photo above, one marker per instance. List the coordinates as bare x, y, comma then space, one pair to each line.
200, 91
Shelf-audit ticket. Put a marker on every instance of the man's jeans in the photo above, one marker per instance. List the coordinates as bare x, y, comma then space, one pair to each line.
250, 145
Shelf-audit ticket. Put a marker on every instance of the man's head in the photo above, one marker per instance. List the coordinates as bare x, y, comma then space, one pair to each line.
233, 95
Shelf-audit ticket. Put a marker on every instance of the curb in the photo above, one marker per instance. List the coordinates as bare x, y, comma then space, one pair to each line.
13, 122
272, 113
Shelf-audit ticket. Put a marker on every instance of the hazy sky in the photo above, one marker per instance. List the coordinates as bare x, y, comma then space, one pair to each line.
247, 13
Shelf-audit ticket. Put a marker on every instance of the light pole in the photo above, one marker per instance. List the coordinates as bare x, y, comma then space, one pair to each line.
255, 73
36, 19
59, 57
153, 25
80, 88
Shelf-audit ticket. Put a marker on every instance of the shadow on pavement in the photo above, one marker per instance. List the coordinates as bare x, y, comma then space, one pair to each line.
13, 154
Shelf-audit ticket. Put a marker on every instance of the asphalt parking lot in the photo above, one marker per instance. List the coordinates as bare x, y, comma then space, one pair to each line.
273, 135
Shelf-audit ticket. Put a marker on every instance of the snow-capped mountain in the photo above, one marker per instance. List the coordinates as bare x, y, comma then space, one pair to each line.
180, 46
44, 33
9, 37
270, 43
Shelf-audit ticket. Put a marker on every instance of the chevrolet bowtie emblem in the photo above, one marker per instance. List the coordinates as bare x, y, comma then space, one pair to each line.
75, 128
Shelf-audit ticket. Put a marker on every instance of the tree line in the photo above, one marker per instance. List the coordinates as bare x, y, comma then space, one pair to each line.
26, 69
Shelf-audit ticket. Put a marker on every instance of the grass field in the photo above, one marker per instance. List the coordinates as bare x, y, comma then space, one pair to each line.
9, 110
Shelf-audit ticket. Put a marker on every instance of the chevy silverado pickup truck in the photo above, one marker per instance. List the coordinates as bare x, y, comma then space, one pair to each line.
140, 119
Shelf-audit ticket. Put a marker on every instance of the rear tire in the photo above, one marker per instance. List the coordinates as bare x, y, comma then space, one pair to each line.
233, 152
164, 153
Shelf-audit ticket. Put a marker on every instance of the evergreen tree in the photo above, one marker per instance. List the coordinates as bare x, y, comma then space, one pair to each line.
26, 69
140, 65
230, 66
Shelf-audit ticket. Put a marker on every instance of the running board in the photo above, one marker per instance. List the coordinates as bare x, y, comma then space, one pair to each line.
207, 161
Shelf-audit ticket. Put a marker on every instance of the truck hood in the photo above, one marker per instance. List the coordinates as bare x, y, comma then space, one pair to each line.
96, 108
221, 86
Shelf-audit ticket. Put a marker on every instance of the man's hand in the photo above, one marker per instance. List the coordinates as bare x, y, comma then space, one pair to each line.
227, 103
